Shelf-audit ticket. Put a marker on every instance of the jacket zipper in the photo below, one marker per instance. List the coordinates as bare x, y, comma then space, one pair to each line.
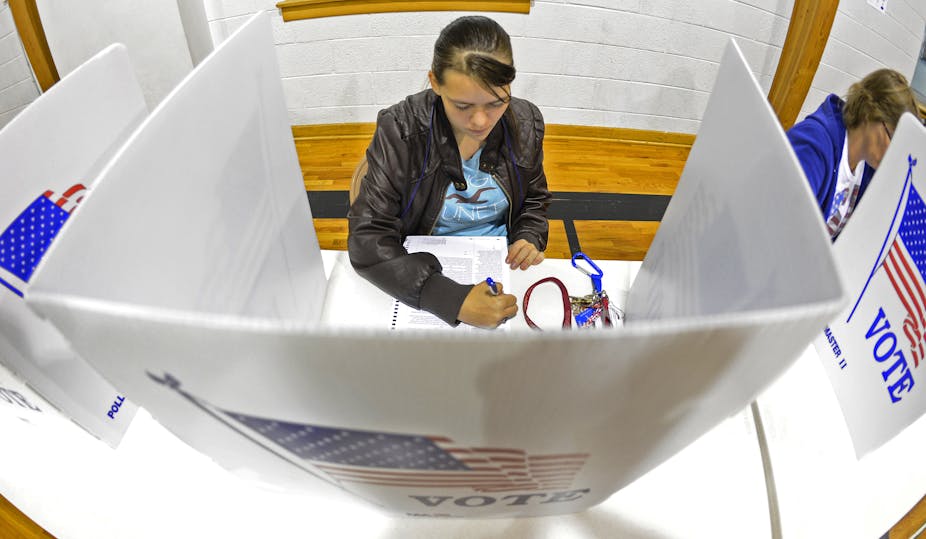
508, 196
436, 217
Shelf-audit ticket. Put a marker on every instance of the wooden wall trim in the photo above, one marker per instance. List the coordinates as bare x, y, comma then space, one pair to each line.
294, 10
808, 32
554, 132
14, 523
29, 26
586, 132
333, 131
910, 524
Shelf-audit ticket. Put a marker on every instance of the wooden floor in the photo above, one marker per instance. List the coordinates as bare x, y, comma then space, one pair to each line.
610, 186
15, 524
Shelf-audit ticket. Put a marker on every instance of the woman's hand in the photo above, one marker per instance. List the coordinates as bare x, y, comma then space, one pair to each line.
523, 254
483, 309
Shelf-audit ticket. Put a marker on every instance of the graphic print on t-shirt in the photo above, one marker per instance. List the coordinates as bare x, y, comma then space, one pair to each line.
478, 210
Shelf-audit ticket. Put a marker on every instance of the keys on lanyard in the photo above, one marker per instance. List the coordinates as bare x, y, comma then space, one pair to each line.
585, 310
589, 308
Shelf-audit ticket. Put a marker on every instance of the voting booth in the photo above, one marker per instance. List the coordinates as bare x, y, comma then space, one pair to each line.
50, 158
846, 423
207, 305
874, 349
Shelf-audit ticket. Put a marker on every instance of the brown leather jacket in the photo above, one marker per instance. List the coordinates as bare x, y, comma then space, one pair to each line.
412, 160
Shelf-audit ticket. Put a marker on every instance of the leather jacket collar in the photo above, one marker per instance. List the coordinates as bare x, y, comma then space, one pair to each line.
448, 149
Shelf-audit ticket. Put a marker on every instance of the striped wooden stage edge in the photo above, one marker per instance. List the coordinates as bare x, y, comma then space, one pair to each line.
610, 186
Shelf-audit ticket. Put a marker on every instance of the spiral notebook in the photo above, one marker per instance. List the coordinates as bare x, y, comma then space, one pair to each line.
465, 259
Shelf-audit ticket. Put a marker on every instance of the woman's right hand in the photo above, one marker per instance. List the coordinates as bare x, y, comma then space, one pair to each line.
483, 309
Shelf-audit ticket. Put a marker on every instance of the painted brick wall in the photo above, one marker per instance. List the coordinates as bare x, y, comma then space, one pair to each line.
645, 64
18, 87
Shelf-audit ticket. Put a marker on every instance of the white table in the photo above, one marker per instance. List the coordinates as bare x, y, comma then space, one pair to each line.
347, 290
154, 485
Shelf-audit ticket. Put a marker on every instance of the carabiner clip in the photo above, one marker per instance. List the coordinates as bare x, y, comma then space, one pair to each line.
596, 277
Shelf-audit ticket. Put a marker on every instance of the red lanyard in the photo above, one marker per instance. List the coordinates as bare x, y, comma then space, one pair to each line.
567, 304
606, 310
586, 309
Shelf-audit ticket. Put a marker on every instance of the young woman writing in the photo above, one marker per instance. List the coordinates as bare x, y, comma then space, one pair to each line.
464, 157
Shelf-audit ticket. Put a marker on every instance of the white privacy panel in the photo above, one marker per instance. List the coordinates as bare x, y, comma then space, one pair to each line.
153, 32
50, 157
873, 351
742, 231
436, 423
204, 208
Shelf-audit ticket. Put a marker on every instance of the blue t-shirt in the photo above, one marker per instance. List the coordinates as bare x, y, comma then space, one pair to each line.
480, 210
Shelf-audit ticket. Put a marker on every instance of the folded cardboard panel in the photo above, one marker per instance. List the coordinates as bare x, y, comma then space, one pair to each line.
203, 208
50, 157
875, 349
742, 232
418, 423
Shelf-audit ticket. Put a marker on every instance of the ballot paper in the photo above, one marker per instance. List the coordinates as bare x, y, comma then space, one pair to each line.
466, 260
874, 351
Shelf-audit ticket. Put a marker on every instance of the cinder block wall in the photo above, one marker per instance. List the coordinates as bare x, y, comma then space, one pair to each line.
17, 85
645, 64
864, 39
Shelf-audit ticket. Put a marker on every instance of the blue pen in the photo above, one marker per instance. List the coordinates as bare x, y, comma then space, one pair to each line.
492, 286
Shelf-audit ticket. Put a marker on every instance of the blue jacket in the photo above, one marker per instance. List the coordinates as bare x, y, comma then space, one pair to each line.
818, 141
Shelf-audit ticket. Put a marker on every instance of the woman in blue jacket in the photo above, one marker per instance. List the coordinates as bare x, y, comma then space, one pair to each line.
841, 144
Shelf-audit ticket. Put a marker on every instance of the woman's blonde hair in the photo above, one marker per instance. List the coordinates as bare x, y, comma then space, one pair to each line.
882, 96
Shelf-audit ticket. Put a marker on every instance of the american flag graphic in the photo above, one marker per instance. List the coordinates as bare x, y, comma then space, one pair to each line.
407, 460
26, 239
905, 263
904, 266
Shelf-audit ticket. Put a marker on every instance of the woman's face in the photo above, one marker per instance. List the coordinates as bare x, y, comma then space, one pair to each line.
878, 137
472, 110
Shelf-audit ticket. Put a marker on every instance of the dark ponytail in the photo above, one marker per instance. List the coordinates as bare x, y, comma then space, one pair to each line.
479, 48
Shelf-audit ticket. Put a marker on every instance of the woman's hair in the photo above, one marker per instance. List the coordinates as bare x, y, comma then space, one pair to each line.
479, 48
882, 96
